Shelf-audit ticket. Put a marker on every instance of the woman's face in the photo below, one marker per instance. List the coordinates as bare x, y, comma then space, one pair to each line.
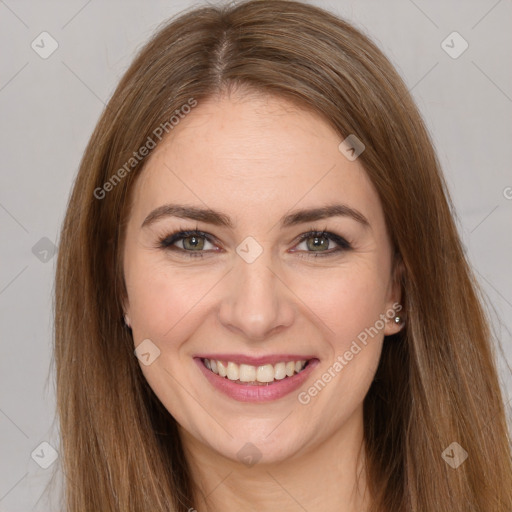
253, 295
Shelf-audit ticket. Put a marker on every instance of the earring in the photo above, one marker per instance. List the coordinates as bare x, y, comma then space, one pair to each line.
399, 320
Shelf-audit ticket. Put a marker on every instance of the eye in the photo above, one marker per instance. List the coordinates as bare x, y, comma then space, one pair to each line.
192, 242
317, 243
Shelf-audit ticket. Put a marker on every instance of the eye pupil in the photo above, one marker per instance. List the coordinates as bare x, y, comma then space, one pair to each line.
194, 242
318, 244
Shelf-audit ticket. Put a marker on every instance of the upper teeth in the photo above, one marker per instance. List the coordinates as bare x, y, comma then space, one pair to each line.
249, 373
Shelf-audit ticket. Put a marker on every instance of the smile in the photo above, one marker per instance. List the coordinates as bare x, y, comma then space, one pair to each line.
263, 380
254, 375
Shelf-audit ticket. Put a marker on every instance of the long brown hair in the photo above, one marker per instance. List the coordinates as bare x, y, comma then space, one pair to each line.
437, 380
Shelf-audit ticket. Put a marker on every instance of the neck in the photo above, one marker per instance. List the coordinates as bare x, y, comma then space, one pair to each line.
328, 476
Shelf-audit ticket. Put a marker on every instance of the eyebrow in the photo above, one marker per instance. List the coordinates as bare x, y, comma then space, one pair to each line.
218, 218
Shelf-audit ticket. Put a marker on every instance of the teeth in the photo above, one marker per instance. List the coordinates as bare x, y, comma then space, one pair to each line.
265, 373
248, 373
279, 371
233, 371
222, 369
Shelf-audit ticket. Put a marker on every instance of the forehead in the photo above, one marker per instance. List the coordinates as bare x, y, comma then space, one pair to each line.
253, 153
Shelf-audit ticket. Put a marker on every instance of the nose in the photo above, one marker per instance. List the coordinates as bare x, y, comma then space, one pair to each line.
256, 302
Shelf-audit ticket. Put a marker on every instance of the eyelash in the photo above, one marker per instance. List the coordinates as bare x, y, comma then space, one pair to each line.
166, 242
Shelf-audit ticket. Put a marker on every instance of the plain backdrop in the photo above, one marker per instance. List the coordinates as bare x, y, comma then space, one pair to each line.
49, 107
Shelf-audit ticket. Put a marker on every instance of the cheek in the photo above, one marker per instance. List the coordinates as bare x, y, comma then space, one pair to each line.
166, 307
163, 301
348, 300
351, 310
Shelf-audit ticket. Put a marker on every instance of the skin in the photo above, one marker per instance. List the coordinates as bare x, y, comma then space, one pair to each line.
256, 158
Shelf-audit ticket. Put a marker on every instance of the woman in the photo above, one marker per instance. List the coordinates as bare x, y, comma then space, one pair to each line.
207, 356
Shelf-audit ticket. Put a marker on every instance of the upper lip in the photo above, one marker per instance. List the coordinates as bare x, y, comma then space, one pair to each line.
257, 361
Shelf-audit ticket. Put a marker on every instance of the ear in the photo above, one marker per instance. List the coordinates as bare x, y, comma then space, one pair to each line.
125, 308
394, 307
126, 315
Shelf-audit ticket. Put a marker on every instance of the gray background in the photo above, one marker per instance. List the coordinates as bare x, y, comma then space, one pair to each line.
49, 107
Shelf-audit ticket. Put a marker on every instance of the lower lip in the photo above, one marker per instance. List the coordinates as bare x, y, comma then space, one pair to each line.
247, 393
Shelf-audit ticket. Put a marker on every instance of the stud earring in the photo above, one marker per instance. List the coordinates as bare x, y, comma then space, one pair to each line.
398, 319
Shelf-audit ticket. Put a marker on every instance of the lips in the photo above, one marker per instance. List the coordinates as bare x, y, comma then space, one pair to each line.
249, 379
256, 361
